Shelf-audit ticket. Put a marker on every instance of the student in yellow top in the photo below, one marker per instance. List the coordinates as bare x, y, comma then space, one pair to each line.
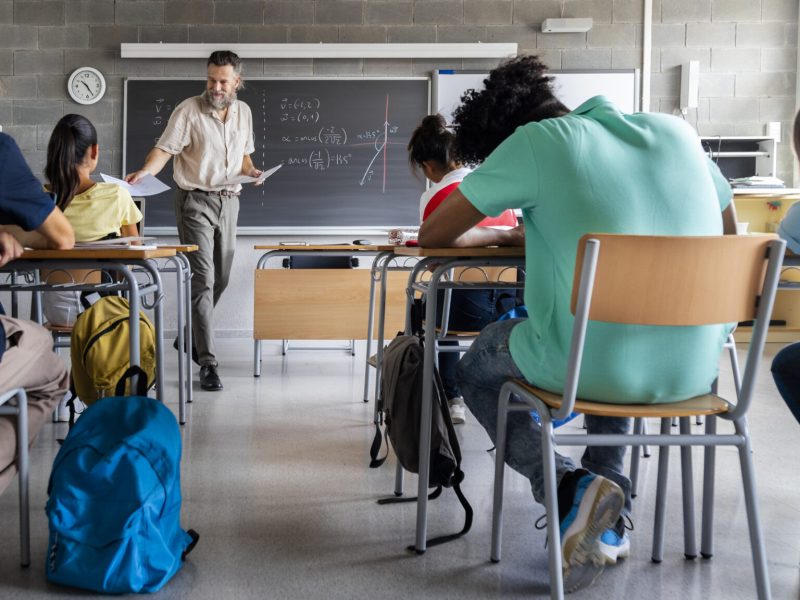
95, 210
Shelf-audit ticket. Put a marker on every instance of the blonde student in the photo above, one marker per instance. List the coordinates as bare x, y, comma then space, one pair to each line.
95, 210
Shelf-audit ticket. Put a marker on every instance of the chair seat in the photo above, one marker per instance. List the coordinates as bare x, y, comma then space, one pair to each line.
708, 404
58, 328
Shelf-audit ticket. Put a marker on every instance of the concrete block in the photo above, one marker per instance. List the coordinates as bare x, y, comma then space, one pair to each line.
612, 36
778, 59
188, 13
139, 67
748, 128
626, 58
685, 11
289, 13
672, 35
138, 13
735, 60
101, 113
674, 57
595, 58
524, 35
101, 59
533, 12
36, 160
460, 34
234, 13
53, 87
416, 34
668, 106
166, 34
765, 84
710, 35
48, 12
6, 112
38, 61
763, 35
776, 109
440, 12
551, 58
38, 112
715, 85
779, 10
362, 34
338, 67
264, 34
733, 109
342, 12
113, 35
6, 11
401, 67
6, 62
480, 64
390, 13
71, 36
17, 37
93, 12
665, 85
24, 135
184, 67
293, 67
736, 11
424, 66
560, 40
16, 87
213, 34
601, 11
628, 11
304, 34
488, 12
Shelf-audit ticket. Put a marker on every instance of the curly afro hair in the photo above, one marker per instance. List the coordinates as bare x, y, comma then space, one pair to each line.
516, 92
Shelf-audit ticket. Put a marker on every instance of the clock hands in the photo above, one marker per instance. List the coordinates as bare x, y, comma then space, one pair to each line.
87, 87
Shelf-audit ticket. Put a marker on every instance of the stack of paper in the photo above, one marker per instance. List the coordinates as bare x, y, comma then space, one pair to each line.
757, 182
118, 243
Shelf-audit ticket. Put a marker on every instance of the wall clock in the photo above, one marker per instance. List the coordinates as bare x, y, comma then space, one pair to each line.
86, 85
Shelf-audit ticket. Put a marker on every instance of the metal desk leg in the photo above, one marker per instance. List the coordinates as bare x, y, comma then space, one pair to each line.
158, 314
370, 322
381, 339
133, 320
188, 336
256, 358
179, 290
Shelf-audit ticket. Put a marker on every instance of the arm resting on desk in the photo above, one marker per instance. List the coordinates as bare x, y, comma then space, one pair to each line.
55, 233
453, 222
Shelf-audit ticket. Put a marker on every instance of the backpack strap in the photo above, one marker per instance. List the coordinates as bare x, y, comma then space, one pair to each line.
195, 538
375, 448
141, 381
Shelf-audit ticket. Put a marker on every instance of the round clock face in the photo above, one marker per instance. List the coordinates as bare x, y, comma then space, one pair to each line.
86, 85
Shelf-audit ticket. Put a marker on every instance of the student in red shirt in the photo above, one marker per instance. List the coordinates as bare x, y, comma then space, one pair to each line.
470, 310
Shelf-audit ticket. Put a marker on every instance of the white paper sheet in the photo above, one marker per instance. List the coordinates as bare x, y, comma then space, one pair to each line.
146, 186
259, 179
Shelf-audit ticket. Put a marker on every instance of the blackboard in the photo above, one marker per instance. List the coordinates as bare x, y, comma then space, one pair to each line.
342, 143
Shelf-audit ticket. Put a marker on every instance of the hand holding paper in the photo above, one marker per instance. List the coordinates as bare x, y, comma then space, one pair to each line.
148, 185
256, 180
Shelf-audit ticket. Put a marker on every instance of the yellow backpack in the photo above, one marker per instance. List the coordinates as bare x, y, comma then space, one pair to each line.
100, 349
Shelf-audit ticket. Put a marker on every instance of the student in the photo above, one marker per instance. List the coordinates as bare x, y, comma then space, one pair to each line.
786, 364
27, 359
470, 310
96, 211
590, 170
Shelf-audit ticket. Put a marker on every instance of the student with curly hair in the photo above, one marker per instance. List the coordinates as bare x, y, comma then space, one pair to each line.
593, 169
429, 151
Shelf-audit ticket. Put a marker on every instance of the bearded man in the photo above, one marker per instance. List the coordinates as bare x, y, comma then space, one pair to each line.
211, 138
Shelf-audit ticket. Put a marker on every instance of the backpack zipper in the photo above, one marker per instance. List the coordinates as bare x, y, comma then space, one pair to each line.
100, 334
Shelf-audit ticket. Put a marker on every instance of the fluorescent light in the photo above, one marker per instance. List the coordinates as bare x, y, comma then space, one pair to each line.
322, 50
566, 25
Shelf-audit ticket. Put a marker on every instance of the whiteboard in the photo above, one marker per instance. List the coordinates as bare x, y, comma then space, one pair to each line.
571, 87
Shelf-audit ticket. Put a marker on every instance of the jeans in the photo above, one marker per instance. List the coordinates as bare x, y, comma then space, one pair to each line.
786, 372
486, 366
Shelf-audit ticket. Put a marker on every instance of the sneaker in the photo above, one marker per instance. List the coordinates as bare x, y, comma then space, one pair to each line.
596, 505
62, 410
614, 543
458, 410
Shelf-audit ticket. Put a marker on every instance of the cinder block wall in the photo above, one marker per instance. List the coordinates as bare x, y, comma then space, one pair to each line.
747, 51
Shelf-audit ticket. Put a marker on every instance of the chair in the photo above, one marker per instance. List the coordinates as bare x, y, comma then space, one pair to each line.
657, 281
20, 411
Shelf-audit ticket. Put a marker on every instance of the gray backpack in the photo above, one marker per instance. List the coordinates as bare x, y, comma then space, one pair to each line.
401, 403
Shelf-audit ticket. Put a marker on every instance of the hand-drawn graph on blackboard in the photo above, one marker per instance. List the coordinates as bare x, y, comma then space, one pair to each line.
342, 143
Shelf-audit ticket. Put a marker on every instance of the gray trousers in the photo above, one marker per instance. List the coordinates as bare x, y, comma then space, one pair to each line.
207, 219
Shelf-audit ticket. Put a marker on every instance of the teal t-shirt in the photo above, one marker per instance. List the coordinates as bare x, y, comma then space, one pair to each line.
597, 170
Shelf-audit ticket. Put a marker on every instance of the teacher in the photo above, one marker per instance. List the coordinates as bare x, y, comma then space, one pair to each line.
211, 138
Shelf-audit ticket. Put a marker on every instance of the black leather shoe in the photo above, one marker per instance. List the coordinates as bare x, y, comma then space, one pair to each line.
194, 352
209, 379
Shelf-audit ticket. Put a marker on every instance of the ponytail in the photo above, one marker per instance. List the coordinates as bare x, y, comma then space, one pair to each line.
430, 141
72, 137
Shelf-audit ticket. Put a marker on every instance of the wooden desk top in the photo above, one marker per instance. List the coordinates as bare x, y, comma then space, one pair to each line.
181, 247
513, 251
121, 254
324, 247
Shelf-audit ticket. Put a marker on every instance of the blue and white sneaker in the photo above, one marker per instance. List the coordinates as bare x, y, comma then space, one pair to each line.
614, 543
596, 506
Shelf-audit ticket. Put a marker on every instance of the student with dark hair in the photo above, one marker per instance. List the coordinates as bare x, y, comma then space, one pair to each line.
429, 150
211, 138
593, 169
95, 210
786, 364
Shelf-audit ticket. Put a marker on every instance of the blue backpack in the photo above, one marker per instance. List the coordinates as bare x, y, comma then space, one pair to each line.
114, 498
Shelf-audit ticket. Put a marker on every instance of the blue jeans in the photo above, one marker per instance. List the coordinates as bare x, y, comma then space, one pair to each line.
786, 373
486, 366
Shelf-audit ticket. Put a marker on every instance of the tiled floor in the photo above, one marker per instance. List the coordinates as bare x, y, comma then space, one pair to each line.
275, 479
